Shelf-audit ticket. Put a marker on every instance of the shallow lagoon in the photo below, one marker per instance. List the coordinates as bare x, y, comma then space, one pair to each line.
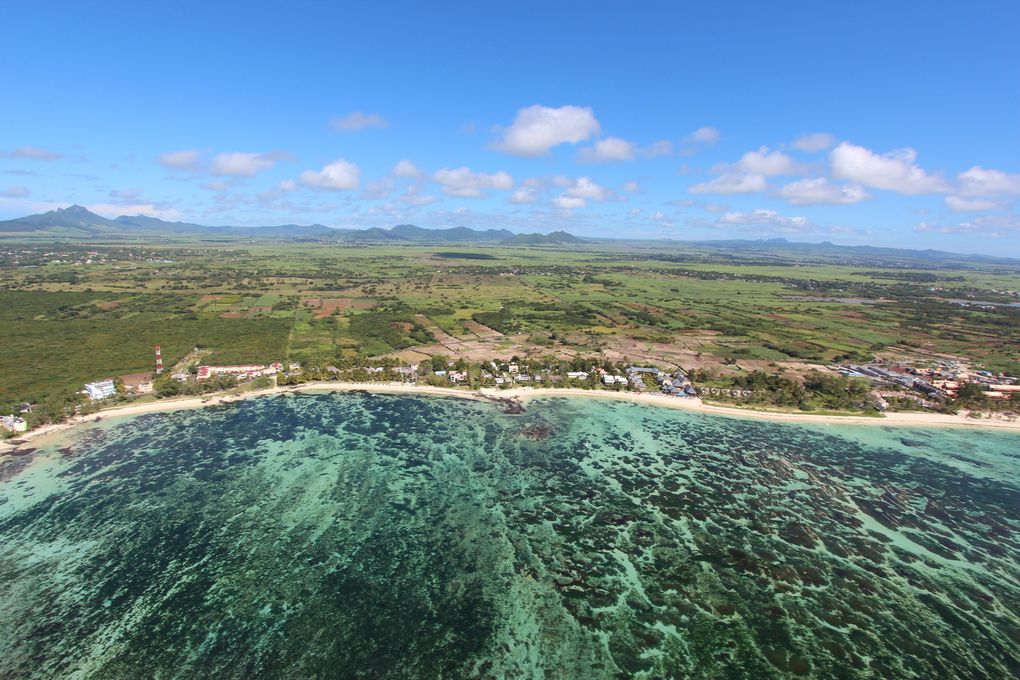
382, 536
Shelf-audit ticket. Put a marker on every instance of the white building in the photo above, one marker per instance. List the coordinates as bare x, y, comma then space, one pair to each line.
241, 372
13, 423
101, 389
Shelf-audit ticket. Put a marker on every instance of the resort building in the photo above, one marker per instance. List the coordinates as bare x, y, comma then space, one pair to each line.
101, 389
240, 372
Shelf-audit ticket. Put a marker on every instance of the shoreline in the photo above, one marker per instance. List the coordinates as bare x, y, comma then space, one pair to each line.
521, 394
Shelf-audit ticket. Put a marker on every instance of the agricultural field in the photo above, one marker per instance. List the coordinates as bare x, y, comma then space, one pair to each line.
72, 313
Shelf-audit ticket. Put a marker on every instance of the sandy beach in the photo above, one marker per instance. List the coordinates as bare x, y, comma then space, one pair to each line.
523, 394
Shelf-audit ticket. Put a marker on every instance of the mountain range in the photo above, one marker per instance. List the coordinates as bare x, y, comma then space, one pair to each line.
79, 223
76, 223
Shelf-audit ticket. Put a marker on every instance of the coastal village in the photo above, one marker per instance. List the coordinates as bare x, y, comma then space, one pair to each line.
889, 384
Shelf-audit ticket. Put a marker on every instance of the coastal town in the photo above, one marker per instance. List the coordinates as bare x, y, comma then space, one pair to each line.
941, 387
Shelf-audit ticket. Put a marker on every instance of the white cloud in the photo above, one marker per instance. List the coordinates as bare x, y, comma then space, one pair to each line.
242, 163
180, 160
894, 171
819, 190
585, 188
357, 120
814, 142
216, 186
537, 129
405, 168
33, 153
608, 150
962, 204
523, 195
980, 181
631, 187
287, 185
15, 192
703, 135
730, 183
339, 175
568, 202
463, 183
767, 163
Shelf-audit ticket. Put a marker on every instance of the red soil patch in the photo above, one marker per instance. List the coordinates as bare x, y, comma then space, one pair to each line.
230, 315
210, 298
135, 379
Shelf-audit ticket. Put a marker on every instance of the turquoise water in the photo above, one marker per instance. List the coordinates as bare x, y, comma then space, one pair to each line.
380, 536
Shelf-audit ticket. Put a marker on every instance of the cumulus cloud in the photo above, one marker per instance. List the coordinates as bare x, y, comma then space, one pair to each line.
608, 150
340, 175
768, 219
767, 163
243, 163
730, 183
814, 142
893, 171
186, 159
463, 183
577, 192
32, 153
15, 192
568, 202
537, 129
405, 168
631, 187
819, 191
358, 120
980, 181
585, 188
963, 204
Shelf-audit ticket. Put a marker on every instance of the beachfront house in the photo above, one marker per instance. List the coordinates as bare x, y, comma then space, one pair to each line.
13, 423
101, 389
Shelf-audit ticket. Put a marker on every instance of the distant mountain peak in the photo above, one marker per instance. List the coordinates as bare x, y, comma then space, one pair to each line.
75, 209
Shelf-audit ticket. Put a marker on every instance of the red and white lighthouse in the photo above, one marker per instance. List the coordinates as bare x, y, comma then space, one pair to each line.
159, 361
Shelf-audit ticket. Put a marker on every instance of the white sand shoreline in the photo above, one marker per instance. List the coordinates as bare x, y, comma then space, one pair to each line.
523, 394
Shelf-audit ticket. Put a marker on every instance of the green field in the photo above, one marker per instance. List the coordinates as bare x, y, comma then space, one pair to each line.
73, 313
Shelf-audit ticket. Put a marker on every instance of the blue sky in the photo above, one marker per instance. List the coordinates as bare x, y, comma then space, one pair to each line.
883, 123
